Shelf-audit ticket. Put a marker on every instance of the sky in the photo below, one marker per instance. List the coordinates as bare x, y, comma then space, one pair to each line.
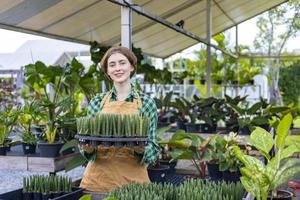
10, 40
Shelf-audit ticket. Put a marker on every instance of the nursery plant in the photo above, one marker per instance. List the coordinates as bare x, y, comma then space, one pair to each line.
263, 180
46, 185
30, 114
189, 147
8, 119
197, 189
113, 125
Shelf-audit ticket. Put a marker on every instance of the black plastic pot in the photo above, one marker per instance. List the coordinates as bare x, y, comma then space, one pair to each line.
192, 128
231, 176
3, 151
27, 196
206, 128
181, 125
244, 131
46, 196
29, 148
171, 165
191, 82
214, 172
157, 173
50, 150
219, 82
37, 196
18, 195
202, 81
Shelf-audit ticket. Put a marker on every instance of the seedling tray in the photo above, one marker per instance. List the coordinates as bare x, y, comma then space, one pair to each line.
112, 141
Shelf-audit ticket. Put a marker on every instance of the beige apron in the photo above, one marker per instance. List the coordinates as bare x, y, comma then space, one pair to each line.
114, 167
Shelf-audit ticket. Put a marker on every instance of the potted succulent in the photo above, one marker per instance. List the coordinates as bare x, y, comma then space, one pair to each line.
263, 180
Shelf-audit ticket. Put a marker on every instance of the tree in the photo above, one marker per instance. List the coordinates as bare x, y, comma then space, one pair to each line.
276, 27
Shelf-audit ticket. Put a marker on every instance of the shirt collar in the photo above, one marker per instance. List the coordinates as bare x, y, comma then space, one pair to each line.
132, 94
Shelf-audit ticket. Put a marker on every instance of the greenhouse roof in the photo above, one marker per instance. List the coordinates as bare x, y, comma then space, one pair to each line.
83, 21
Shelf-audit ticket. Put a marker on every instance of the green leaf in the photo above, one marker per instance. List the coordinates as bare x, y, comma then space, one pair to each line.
76, 161
69, 144
282, 130
181, 154
254, 108
262, 140
87, 197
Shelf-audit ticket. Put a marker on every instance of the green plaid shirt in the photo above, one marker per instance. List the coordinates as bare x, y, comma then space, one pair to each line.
149, 110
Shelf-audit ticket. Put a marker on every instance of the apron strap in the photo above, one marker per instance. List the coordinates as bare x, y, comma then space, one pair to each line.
138, 101
105, 98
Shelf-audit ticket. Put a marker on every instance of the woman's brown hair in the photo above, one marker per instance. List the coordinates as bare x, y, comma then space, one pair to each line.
122, 50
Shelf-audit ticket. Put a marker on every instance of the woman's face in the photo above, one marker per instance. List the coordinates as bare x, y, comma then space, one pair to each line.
119, 68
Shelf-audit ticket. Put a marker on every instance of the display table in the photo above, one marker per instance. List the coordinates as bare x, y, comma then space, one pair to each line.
16, 160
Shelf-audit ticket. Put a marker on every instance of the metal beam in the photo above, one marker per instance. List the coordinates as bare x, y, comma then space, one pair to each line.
126, 26
208, 47
271, 56
168, 24
43, 34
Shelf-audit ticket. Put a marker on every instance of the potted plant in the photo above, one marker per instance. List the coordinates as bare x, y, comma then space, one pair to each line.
164, 114
30, 114
180, 112
47, 82
191, 111
8, 119
263, 180
189, 147
210, 110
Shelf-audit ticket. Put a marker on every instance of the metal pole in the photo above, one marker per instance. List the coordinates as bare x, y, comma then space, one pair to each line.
208, 47
237, 58
126, 26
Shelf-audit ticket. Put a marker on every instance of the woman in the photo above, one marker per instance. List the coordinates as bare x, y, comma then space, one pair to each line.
112, 167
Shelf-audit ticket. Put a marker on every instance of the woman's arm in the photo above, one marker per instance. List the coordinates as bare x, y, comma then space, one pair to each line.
152, 150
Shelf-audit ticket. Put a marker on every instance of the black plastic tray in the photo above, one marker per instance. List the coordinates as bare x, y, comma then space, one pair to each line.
112, 141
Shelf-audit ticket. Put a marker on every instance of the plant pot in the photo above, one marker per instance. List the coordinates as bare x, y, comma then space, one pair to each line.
27, 196
17, 195
171, 165
229, 176
46, 196
3, 150
181, 125
206, 128
191, 82
214, 172
9, 140
202, 81
219, 82
37, 196
158, 173
192, 128
50, 150
244, 131
29, 148
234, 82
